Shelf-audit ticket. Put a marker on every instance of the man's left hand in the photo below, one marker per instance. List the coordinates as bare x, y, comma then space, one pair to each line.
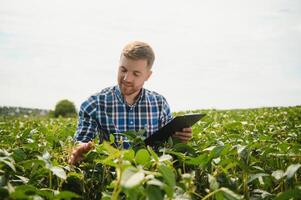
184, 136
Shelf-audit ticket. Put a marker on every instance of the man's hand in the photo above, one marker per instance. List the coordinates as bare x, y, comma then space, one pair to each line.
184, 136
78, 151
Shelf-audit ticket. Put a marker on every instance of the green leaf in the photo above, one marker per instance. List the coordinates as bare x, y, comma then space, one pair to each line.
219, 196
28, 164
74, 182
289, 194
66, 195
263, 194
241, 149
165, 157
230, 195
213, 184
291, 170
278, 174
184, 148
154, 193
154, 155
155, 182
112, 138
9, 162
19, 155
46, 155
4, 193
201, 160
142, 157
46, 158
112, 152
4, 153
256, 176
129, 154
168, 175
216, 152
129, 134
110, 149
23, 192
168, 190
59, 172
91, 156
45, 193
23, 179
107, 161
131, 177
106, 196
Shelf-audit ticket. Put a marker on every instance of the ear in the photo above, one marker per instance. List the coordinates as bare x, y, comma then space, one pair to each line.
149, 74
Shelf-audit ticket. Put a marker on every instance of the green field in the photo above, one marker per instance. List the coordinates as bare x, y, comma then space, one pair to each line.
234, 154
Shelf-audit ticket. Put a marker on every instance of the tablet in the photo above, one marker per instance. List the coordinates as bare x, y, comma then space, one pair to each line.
176, 124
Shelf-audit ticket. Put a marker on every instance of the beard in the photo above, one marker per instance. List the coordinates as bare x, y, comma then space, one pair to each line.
128, 89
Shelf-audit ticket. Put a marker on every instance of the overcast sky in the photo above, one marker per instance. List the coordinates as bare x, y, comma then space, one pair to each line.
209, 54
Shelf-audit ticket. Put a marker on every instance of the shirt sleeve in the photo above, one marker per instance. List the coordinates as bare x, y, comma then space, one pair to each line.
87, 127
165, 115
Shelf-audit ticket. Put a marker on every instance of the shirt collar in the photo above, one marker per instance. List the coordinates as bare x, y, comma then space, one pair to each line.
121, 98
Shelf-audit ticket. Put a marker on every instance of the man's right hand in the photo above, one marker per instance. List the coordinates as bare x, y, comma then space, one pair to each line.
77, 153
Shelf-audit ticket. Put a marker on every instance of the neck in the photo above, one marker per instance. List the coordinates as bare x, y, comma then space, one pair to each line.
130, 99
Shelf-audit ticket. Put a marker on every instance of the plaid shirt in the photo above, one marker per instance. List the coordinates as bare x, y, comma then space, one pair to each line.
107, 113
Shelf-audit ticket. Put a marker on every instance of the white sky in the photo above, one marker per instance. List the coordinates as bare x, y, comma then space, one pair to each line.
209, 54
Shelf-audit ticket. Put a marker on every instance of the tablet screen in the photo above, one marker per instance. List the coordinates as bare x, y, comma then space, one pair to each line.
176, 124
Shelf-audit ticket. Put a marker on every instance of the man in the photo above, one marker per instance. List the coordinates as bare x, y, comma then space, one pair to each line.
126, 106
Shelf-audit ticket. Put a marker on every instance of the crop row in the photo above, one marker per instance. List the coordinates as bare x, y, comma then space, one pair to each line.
234, 154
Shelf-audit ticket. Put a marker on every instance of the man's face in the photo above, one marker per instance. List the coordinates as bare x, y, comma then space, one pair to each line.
132, 74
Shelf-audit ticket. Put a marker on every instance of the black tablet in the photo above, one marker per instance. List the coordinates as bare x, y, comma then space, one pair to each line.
176, 124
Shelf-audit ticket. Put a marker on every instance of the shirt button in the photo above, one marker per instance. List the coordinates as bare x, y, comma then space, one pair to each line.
131, 122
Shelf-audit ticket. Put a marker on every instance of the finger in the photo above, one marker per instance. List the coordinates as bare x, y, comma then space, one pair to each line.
189, 129
188, 134
88, 146
182, 136
73, 157
73, 160
80, 158
77, 151
83, 148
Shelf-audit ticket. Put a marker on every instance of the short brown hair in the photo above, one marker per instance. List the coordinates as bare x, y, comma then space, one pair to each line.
139, 50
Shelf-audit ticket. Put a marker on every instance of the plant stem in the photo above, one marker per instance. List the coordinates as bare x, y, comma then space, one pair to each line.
245, 185
196, 194
210, 194
50, 179
117, 188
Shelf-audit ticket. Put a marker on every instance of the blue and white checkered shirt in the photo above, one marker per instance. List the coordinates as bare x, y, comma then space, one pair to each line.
107, 113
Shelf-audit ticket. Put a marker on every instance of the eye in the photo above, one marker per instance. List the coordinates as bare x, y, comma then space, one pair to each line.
136, 74
123, 70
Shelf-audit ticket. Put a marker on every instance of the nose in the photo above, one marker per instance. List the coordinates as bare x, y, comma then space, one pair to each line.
128, 77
